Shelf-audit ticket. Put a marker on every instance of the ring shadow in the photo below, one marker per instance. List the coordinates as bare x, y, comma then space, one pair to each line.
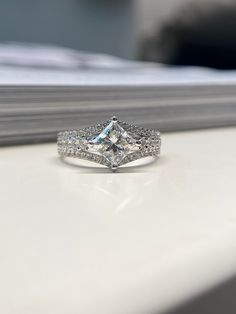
141, 166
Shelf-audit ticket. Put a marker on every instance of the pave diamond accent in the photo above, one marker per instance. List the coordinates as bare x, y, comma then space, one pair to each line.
114, 143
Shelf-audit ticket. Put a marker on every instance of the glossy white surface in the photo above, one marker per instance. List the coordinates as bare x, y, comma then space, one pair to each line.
81, 240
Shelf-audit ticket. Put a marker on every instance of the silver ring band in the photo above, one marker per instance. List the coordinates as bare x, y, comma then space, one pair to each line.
112, 143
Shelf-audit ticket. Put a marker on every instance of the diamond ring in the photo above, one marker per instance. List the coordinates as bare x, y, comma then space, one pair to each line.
112, 143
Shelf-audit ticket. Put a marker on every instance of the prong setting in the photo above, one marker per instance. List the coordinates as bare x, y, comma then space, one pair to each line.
114, 119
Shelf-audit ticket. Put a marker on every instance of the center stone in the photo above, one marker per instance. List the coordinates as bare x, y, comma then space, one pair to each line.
114, 143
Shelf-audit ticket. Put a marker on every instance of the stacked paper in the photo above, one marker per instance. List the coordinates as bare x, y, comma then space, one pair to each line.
36, 101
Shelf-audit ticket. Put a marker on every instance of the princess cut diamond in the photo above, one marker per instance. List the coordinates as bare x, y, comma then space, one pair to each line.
113, 142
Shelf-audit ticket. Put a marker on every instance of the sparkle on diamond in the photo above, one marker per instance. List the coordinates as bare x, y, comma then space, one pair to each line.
114, 143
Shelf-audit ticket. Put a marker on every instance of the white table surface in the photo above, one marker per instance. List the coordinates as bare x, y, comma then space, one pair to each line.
80, 240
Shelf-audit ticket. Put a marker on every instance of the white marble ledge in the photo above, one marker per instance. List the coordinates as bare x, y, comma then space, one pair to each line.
81, 240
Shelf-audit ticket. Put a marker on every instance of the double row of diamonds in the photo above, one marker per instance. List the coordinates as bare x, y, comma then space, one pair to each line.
70, 144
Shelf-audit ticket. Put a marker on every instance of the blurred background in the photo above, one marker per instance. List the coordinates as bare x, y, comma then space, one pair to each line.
104, 42
185, 32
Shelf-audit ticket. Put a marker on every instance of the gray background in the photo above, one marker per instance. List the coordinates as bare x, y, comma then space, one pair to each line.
93, 25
